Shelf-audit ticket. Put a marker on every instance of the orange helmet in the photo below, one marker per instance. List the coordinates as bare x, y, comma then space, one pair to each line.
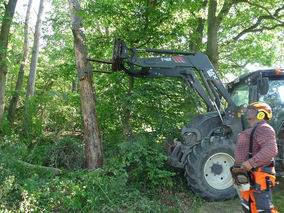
263, 110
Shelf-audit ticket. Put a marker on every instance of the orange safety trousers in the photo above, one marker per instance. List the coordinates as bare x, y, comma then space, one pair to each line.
259, 197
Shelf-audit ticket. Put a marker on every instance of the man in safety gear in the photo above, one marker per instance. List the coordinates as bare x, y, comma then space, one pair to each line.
255, 151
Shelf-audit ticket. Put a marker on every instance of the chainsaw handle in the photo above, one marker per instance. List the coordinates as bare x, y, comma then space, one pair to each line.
235, 166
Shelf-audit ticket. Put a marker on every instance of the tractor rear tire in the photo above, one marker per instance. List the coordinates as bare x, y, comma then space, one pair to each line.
207, 169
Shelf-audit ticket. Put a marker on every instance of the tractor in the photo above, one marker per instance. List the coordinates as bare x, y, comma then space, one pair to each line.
206, 151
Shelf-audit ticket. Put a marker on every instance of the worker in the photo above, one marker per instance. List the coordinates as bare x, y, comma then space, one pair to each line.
259, 163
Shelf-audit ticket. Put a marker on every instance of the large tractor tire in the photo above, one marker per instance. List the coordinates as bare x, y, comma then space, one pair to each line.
207, 169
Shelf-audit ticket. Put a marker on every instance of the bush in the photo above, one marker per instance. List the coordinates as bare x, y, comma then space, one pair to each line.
128, 181
7, 185
74, 191
64, 153
67, 153
146, 163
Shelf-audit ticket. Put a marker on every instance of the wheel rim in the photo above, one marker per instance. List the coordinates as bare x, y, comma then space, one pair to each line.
217, 170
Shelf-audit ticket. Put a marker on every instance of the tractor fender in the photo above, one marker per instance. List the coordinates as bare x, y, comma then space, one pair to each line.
199, 127
191, 130
203, 125
186, 149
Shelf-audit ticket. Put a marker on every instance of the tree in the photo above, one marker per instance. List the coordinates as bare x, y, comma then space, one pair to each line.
14, 100
35, 51
139, 23
93, 144
5, 29
34, 60
222, 24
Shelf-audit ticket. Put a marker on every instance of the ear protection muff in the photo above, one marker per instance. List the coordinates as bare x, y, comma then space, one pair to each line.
260, 115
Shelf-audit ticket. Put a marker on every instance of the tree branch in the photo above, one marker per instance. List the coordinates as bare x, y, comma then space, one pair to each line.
226, 8
260, 19
54, 170
270, 14
253, 27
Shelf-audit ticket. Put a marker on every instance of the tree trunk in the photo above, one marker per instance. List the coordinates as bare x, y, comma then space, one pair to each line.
127, 132
33, 65
93, 144
212, 42
75, 85
6, 23
15, 97
34, 59
213, 23
196, 41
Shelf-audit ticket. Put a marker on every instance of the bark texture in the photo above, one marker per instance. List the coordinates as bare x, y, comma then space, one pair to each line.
4, 35
212, 43
34, 59
15, 97
214, 21
93, 144
195, 41
33, 65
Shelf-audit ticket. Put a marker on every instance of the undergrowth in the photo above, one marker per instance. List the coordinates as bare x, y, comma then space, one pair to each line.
135, 179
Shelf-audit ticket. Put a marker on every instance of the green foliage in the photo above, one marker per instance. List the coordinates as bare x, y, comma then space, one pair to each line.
33, 122
6, 188
48, 112
102, 190
67, 153
145, 163
135, 177
4, 126
261, 41
131, 180
64, 153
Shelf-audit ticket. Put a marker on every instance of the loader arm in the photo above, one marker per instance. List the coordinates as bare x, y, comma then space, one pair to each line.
206, 151
182, 64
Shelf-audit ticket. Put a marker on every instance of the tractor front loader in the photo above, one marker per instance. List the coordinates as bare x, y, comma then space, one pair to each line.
207, 150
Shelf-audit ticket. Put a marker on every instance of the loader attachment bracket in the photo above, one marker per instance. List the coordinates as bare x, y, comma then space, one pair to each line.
119, 48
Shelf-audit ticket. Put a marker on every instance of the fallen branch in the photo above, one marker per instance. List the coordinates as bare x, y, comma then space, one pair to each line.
54, 170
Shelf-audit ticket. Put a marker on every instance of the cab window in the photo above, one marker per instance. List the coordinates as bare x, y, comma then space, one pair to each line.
240, 95
275, 94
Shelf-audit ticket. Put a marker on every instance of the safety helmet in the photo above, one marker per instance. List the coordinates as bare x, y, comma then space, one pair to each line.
263, 110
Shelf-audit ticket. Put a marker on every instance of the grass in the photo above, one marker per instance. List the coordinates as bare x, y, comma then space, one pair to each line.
186, 202
278, 194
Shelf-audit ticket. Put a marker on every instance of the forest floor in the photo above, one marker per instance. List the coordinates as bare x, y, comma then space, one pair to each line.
185, 203
233, 206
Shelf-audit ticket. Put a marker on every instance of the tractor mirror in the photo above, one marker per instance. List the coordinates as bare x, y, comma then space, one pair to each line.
263, 85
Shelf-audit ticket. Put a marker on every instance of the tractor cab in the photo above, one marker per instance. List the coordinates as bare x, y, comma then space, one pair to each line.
266, 86
262, 85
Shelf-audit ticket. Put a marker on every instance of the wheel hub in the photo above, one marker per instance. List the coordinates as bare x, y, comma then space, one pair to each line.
217, 170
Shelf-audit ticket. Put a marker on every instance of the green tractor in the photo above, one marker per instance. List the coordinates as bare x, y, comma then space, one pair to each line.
206, 152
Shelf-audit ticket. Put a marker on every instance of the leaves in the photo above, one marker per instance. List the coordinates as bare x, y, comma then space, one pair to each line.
153, 109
